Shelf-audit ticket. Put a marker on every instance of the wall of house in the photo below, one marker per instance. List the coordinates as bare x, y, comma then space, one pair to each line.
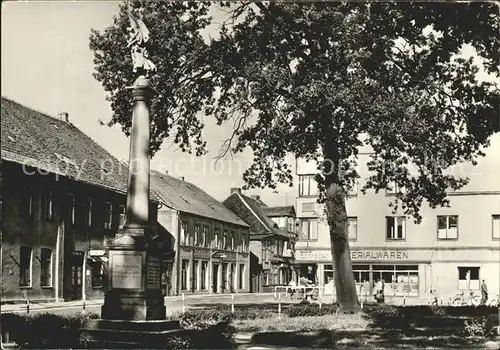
77, 249
203, 272
431, 263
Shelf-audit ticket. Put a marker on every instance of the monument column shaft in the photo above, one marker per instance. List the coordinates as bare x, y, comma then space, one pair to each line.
137, 213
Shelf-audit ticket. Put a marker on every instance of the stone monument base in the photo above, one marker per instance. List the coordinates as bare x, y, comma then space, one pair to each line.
133, 305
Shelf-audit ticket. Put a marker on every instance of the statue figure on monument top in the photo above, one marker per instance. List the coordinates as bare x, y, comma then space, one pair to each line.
138, 37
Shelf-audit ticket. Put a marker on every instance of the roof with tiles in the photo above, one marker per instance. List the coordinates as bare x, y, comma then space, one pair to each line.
186, 197
38, 140
263, 224
279, 211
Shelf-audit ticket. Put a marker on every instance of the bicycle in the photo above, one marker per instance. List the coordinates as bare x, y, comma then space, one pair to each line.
495, 302
472, 300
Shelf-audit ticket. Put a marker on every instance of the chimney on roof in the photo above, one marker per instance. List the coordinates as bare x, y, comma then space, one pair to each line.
182, 178
235, 189
256, 197
64, 116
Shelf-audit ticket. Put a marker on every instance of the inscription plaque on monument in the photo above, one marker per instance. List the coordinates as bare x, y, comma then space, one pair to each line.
126, 271
153, 275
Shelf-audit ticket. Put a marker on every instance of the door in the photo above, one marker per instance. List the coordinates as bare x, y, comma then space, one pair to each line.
76, 275
224, 278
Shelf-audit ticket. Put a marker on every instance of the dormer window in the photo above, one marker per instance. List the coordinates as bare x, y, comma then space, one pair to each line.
66, 160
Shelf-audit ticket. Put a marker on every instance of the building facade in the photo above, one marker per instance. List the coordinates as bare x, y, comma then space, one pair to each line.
452, 250
211, 243
271, 246
59, 205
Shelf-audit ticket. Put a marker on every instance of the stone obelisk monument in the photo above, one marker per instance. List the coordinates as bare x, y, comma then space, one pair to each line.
134, 264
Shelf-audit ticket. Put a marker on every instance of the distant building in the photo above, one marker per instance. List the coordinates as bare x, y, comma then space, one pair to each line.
210, 241
451, 251
272, 240
63, 195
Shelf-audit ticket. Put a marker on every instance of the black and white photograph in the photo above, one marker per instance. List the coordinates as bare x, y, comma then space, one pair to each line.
250, 175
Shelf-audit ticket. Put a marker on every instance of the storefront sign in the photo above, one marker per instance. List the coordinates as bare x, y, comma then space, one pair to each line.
126, 271
201, 254
356, 255
379, 255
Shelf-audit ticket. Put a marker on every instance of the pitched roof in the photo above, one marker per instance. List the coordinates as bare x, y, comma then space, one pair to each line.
256, 207
186, 197
33, 138
279, 211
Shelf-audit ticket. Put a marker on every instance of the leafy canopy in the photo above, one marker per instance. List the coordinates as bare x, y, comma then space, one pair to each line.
304, 78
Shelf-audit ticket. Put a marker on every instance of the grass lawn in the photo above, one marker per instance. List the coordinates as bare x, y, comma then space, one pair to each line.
348, 331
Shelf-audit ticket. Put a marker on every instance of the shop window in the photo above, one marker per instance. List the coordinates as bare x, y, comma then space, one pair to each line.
121, 215
447, 227
328, 274
352, 228
204, 275
184, 274
46, 267
399, 279
47, 204
97, 272
395, 227
495, 226
361, 273
25, 264
468, 278
307, 185
309, 230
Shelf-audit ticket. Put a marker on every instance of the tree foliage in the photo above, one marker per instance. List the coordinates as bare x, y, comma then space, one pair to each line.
319, 81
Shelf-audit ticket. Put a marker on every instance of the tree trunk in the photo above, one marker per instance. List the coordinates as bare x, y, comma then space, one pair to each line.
345, 285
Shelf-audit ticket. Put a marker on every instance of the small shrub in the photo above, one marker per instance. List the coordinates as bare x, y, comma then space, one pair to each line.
476, 327
201, 319
383, 310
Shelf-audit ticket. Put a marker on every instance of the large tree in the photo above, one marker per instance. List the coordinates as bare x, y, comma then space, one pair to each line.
317, 81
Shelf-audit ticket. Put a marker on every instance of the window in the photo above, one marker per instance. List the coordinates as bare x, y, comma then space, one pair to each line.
97, 270
353, 192
233, 234
242, 277
72, 208
225, 242
184, 234
121, 215
205, 236
352, 228
196, 274
495, 226
204, 275
108, 219
447, 227
307, 185
399, 279
309, 230
25, 262
362, 276
393, 188
217, 239
197, 235
184, 274
88, 212
47, 204
29, 202
395, 227
468, 277
46, 267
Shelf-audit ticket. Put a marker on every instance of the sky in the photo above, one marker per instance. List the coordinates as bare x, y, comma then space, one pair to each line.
46, 64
